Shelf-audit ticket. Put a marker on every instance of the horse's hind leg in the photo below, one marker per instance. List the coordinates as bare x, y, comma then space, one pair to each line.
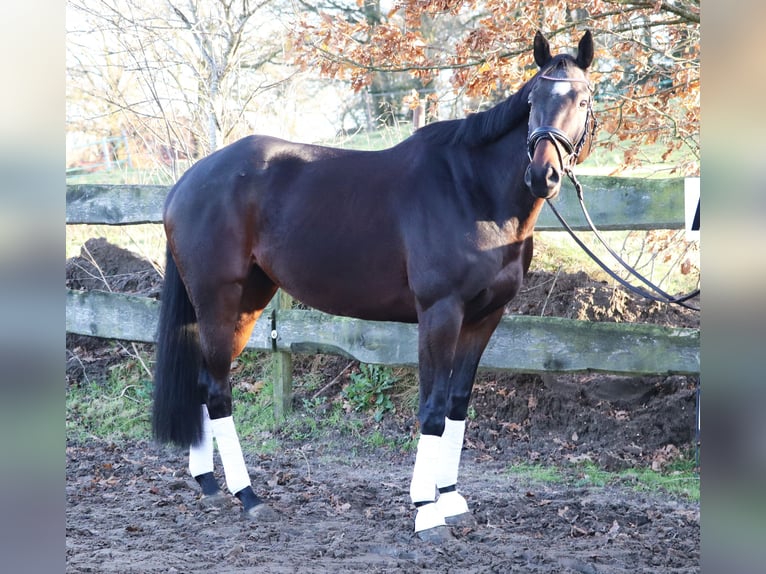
201, 463
225, 324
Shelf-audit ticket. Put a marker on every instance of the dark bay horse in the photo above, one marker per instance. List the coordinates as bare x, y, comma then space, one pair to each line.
435, 230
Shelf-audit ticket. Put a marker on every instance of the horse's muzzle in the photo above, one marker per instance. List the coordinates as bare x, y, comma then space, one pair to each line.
544, 181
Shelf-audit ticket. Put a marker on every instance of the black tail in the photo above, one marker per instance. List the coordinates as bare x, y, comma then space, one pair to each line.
176, 416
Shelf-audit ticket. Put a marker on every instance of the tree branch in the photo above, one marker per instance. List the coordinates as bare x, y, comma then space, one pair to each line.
688, 14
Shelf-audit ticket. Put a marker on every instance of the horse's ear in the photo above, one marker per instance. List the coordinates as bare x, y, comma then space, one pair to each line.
585, 51
542, 50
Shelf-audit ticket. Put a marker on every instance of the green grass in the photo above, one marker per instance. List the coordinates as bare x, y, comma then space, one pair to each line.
679, 478
607, 162
378, 440
254, 412
122, 176
536, 473
116, 409
680, 482
370, 390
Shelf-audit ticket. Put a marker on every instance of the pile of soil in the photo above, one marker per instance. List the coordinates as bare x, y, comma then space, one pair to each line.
133, 507
103, 266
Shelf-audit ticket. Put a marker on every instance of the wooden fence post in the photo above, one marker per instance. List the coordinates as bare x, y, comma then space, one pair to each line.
282, 364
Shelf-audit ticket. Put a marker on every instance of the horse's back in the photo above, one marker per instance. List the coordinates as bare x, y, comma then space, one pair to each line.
323, 223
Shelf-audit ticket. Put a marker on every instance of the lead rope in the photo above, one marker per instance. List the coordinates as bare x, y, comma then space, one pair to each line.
663, 297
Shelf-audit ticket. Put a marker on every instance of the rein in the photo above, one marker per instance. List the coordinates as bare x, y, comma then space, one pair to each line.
559, 138
658, 295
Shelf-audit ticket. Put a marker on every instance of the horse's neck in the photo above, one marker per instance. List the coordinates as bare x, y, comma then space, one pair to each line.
500, 168
527, 224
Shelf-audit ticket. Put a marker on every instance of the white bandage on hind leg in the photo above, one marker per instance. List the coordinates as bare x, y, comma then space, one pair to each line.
201, 455
227, 441
423, 485
450, 503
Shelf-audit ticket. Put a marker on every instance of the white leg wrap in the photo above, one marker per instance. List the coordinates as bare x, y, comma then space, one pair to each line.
450, 448
227, 440
428, 516
201, 455
451, 504
423, 485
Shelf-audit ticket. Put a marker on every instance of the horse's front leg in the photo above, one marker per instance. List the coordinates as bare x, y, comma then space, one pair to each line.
472, 341
439, 328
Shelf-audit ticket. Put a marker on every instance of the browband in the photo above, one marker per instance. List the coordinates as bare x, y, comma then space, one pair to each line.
580, 80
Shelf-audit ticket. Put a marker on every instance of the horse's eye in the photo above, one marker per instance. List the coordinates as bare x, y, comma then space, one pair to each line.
583, 103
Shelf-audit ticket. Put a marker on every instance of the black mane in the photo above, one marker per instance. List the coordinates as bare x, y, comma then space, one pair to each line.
490, 125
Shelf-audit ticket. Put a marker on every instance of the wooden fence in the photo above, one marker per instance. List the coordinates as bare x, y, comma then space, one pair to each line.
520, 344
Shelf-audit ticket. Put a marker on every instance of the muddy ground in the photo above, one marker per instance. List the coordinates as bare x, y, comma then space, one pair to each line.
344, 505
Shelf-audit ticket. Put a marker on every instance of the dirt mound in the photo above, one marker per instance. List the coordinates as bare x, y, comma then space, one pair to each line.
614, 422
106, 267
103, 266
577, 296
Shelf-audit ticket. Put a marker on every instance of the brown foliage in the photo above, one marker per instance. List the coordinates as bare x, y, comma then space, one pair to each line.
647, 59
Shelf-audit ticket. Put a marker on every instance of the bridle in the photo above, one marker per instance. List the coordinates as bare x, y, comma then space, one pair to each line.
561, 140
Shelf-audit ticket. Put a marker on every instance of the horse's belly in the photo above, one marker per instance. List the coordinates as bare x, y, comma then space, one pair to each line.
372, 305
367, 285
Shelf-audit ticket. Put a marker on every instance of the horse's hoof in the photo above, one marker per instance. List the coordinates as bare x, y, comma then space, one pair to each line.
217, 500
436, 535
462, 520
261, 513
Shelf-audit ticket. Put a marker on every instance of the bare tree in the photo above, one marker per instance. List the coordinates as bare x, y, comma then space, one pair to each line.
178, 75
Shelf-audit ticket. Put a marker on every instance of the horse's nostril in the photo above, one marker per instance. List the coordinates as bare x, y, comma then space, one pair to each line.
552, 176
543, 181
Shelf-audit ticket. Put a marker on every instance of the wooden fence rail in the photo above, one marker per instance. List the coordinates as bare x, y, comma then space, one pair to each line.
614, 203
521, 343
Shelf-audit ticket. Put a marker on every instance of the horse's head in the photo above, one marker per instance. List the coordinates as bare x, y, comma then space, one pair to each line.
561, 121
